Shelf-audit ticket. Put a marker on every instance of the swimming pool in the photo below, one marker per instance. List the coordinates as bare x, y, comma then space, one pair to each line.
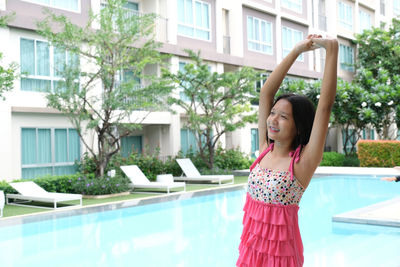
205, 231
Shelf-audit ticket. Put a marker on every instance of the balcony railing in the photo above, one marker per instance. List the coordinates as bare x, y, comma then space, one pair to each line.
160, 27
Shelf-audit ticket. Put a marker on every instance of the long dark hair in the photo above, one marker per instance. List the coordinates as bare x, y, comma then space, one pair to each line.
303, 115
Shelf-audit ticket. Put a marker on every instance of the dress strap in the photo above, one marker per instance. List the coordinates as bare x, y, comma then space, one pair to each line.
295, 158
270, 147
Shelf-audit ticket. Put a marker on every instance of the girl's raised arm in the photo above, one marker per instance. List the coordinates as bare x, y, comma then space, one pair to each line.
272, 85
312, 153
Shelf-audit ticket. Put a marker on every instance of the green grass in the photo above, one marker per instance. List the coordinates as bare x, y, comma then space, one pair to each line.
10, 210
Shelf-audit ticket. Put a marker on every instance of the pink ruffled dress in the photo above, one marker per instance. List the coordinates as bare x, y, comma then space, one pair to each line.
271, 235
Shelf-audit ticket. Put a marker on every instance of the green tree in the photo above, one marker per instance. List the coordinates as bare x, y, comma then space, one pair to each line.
349, 113
100, 95
380, 103
215, 103
7, 73
378, 73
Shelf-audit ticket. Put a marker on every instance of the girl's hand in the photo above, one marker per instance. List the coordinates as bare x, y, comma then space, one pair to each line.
307, 44
390, 179
325, 43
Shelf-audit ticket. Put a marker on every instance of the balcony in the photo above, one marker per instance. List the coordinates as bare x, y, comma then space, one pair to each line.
160, 23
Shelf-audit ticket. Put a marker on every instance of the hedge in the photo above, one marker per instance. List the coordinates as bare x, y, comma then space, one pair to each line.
332, 159
378, 153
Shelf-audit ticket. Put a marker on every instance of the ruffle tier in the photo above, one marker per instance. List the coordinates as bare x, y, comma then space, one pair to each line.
270, 236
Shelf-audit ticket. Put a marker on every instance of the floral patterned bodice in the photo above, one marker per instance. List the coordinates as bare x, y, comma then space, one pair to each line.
274, 187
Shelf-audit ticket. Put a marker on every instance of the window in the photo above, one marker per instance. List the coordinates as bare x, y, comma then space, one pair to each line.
295, 5
346, 57
382, 7
72, 5
194, 19
130, 8
365, 21
345, 16
130, 144
182, 94
257, 85
259, 35
254, 142
42, 65
351, 136
188, 142
368, 134
47, 151
396, 7
290, 38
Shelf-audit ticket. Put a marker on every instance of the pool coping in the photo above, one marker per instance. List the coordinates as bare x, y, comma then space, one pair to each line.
372, 215
82, 210
348, 217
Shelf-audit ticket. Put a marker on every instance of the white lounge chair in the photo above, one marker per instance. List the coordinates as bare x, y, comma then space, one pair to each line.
193, 175
1, 203
30, 191
139, 180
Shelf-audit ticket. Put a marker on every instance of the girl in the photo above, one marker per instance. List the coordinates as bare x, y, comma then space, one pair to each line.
292, 148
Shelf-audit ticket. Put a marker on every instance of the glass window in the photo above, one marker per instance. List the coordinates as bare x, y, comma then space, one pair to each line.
130, 144
36, 71
61, 4
188, 142
365, 21
182, 94
254, 142
346, 57
290, 37
194, 19
396, 7
259, 35
295, 5
345, 16
49, 151
368, 134
352, 139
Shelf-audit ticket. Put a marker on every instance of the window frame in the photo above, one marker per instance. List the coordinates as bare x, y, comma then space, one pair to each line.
363, 15
53, 163
194, 19
52, 77
301, 57
344, 65
289, 4
396, 7
259, 42
254, 135
345, 22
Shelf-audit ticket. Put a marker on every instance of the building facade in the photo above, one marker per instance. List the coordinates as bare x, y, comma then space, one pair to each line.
36, 140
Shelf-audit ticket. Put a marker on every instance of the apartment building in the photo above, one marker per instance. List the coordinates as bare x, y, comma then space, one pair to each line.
36, 140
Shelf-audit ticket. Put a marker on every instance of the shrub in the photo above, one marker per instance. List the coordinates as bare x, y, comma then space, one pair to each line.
99, 186
232, 159
378, 153
351, 161
4, 186
332, 159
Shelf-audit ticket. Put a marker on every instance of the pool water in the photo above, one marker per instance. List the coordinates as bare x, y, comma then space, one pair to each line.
205, 231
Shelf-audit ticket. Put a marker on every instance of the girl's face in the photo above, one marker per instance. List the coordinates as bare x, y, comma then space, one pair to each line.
280, 122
